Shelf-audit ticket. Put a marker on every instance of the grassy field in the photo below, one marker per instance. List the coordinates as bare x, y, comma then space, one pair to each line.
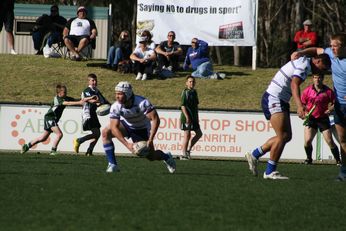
33, 78
68, 192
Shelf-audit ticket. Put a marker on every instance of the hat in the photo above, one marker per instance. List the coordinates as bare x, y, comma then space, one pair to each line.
82, 8
142, 39
307, 22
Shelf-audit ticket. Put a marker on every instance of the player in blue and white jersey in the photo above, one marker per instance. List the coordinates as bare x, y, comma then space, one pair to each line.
132, 116
337, 54
276, 108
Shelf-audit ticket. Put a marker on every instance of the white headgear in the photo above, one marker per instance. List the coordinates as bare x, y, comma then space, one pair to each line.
124, 87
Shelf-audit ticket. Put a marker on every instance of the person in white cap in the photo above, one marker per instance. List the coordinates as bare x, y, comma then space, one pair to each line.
133, 116
143, 58
79, 32
306, 37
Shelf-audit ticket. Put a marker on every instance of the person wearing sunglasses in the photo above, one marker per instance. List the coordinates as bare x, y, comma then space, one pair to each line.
168, 53
197, 57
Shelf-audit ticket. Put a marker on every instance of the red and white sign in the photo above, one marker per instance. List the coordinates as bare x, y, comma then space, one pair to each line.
225, 134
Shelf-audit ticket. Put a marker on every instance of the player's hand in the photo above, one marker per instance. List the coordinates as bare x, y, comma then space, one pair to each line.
150, 144
130, 147
301, 112
295, 55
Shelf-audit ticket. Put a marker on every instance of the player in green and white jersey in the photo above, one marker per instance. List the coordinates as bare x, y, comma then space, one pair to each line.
189, 116
52, 117
89, 117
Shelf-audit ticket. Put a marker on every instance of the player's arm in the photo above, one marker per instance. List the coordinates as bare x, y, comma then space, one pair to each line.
312, 51
155, 123
186, 114
72, 103
331, 103
91, 99
295, 83
115, 129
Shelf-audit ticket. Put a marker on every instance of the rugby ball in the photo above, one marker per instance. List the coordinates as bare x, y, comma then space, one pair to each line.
140, 148
103, 109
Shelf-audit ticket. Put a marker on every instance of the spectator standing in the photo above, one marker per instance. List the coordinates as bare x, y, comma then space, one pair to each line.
79, 32
306, 37
321, 98
143, 58
168, 53
6, 19
48, 29
197, 56
121, 50
189, 120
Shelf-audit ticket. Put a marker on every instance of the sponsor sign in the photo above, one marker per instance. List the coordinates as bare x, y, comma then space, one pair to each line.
225, 134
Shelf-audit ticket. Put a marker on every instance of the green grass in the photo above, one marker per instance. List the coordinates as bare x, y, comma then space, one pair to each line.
66, 192
32, 79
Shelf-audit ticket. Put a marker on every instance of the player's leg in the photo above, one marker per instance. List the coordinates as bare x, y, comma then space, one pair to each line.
187, 137
95, 132
91, 124
309, 135
340, 127
35, 141
282, 126
56, 141
108, 147
328, 137
197, 136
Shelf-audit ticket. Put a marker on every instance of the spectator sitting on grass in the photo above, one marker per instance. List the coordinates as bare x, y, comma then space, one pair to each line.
168, 53
121, 50
197, 57
143, 58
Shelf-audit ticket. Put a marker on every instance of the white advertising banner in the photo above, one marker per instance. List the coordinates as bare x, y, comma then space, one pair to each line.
219, 22
225, 134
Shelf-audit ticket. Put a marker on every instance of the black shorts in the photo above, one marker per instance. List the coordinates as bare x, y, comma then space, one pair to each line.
136, 135
76, 39
48, 124
189, 127
91, 123
6, 18
320, 123
340, 114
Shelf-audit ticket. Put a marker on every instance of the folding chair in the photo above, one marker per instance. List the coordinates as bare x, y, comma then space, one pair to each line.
85, 53
60, 48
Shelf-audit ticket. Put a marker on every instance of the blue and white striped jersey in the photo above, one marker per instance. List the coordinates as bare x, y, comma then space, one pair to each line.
280, 86
135, 117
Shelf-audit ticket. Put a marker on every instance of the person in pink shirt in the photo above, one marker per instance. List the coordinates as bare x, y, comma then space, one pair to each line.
305, 38
321, 98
